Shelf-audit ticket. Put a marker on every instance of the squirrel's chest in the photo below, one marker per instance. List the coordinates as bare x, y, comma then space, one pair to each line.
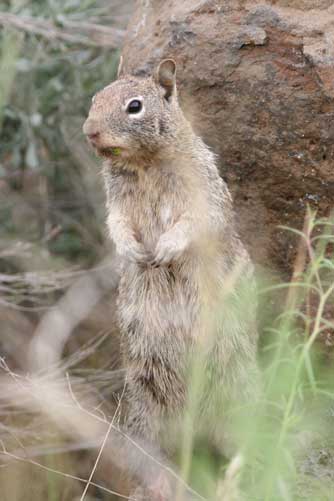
154, 204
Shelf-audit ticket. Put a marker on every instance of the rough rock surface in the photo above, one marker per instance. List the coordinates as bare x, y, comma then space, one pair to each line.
257, 81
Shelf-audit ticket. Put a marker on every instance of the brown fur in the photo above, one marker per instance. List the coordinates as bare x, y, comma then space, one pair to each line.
185, 269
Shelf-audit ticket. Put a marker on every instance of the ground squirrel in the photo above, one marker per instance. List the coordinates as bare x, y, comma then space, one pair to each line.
170, 216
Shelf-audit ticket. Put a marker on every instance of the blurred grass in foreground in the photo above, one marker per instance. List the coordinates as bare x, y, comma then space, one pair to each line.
287, 437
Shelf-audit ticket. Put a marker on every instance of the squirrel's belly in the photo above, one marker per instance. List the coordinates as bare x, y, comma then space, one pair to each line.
158, 301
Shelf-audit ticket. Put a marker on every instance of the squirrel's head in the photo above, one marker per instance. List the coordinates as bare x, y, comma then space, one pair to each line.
134, 115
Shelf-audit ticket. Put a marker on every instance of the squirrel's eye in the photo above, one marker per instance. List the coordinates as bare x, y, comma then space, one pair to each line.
135, 106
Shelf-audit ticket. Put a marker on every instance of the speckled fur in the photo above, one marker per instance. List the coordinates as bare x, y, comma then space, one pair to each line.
165, 198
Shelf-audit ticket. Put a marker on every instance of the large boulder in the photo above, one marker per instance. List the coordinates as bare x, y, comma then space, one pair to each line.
257, 81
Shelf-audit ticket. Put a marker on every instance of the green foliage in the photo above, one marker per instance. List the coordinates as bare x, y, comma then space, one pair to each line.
287, 435
45, 90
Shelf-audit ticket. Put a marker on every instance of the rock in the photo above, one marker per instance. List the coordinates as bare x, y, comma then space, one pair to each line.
252, 35
257, 82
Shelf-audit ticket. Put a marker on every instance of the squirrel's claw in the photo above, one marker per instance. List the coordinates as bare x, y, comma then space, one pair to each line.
159, 491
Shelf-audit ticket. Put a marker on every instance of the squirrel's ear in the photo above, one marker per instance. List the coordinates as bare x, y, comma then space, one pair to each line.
120, 66
166, 76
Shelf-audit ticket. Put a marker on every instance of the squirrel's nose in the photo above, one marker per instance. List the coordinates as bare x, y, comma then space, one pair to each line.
91, 129
93, 136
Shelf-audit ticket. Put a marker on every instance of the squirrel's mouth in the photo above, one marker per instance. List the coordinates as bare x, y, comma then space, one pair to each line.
110, 152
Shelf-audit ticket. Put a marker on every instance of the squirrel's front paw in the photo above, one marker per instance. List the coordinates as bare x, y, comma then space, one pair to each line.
137, 495
134, 251
159, 490
169, 249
